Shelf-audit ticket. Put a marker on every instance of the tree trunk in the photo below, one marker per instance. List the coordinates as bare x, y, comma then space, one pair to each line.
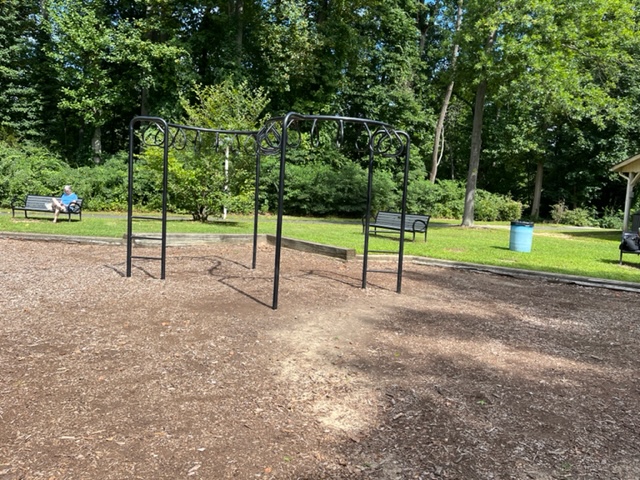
425, 24
435, 156
240, 29
537, 191
96, 145
144, 101
476, 145
474, 159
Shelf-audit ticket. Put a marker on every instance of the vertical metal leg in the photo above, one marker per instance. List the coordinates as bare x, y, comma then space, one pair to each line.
367, 220
256, 209
404, 212
283, 155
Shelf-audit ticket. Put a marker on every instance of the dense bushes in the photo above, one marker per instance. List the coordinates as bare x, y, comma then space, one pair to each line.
104, 187
582, 217
322, 189
324, 184
29, 169
445, 199
32, 169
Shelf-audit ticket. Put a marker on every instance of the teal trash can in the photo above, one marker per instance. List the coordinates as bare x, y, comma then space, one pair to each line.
521, 236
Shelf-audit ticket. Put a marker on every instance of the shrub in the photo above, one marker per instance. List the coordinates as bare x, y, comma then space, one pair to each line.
494, 207
579, 217
445, 199
611, 219
558, 211
449, 199
30, 169
419, 191
318, 188
104, 186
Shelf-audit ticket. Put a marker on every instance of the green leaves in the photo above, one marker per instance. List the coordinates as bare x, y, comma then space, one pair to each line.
226, 106
20, 102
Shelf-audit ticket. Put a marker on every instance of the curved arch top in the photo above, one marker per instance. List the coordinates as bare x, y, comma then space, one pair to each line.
367, 135
278, 134
156, 132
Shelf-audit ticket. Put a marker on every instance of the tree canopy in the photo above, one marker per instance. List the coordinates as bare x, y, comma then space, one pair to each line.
533, 99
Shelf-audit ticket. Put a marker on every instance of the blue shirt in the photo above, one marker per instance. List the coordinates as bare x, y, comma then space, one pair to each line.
67, 199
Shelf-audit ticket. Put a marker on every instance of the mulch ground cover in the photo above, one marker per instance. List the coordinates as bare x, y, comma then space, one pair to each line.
465, 375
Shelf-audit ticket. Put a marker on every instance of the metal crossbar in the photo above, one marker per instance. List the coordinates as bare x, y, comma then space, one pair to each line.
276, 137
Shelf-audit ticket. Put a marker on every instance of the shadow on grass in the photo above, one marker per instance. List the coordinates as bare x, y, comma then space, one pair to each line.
61, 219
595, 234
626, 263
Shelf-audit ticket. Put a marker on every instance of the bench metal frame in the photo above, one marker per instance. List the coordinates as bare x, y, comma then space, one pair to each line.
415, 223
35, 203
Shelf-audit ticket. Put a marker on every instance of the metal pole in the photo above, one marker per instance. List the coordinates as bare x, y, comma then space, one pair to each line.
130, 198
365, 257
283, 155
226, 181
165, 183
256, 208
404, 210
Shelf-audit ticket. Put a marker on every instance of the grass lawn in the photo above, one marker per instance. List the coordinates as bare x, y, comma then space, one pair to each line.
577, 251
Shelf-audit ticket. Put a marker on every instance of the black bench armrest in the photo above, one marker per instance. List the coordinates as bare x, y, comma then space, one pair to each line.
74, 207
417, 222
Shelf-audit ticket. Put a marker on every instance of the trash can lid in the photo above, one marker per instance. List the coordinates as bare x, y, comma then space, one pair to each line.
521, 223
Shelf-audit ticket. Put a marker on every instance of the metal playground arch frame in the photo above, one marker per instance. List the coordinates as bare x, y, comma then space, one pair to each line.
276, 137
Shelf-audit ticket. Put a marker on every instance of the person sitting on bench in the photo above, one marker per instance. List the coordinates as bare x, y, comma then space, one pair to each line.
61, 204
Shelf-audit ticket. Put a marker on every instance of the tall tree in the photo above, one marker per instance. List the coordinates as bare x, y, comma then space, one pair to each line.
438, 136
563, 51
103, 62
476, 140
20, 103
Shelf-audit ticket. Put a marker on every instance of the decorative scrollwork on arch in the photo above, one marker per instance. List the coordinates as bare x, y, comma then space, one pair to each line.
363, 135
388, 143
152, 135
182, 137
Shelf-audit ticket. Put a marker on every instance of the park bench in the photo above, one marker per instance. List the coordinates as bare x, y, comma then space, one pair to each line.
629, 244
36, 203
414, 223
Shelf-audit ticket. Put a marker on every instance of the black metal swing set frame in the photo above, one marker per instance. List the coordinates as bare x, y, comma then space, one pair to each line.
277, 136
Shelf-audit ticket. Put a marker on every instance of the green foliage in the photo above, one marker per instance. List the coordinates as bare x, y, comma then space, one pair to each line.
104, 186
33, 169
197, 181
20, 103
445, 199
611, 219
29, 169
104, 63
579, 217
563, 89
320, 188
227, 105
493, 207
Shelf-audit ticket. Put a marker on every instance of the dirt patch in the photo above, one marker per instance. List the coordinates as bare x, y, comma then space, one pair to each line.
464, 375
